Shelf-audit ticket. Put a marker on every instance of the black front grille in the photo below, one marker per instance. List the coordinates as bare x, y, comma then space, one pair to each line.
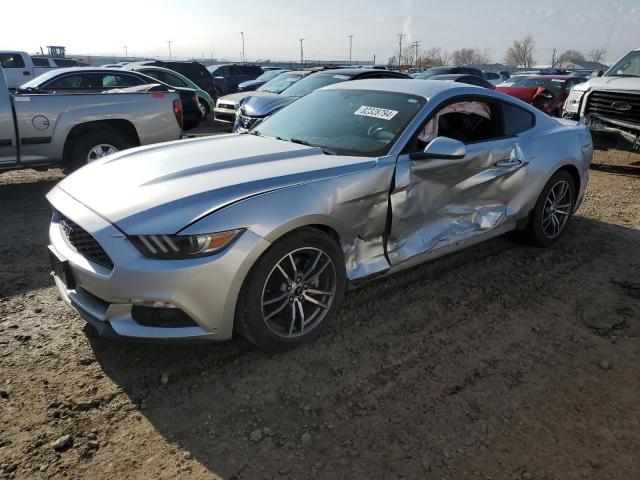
624, 107
247, 122
83, 243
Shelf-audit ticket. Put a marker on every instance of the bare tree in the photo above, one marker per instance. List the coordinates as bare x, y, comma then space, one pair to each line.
572, 56
470, 56
433, 58
520, 54
597, 54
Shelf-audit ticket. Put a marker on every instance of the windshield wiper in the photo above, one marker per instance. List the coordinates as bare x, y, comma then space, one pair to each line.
309, 144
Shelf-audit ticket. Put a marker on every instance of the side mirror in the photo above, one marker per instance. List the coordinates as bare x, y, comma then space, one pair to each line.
597, 73
441, 148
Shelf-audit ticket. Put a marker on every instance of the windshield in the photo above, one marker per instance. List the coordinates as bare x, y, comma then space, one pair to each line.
629, 66
552, 84
268, 75
345, 122
282, 81
433, 71
314, 82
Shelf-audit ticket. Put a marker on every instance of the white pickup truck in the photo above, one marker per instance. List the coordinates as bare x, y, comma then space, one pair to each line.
610, 104
40, 130
20, 67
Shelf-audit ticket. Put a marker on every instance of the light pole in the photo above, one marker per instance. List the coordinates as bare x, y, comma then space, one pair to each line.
350, 46
243, 59
169, 43
126, 52
301, 51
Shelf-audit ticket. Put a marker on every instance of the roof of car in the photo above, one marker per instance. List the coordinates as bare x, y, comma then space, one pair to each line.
552, 77
452, 76
422, 88
353, 72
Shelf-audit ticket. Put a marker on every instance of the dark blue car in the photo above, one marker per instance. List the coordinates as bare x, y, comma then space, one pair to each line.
227, 77
251, 85
255, 109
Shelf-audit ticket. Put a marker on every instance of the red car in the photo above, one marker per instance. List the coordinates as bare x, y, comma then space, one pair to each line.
545, 92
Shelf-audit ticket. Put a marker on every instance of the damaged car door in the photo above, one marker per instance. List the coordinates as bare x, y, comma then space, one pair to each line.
455, 179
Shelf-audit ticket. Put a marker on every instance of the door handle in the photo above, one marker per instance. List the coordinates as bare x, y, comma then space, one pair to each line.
510, 163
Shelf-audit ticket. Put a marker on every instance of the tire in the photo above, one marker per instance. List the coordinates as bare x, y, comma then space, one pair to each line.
540, 229
203, 106
82, 147
282, 323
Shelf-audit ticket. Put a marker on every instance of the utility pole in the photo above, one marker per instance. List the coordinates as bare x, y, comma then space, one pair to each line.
243, 59
606, 49
350, 46
301, 51
416, 44
553, 58
169, 43
126, 52
401, 36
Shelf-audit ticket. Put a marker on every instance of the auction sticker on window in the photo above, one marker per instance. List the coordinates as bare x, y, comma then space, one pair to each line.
376, 112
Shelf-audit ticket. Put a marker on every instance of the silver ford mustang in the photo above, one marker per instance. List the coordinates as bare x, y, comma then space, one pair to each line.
262, 233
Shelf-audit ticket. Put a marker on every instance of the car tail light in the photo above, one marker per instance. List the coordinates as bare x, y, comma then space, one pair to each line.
177, 111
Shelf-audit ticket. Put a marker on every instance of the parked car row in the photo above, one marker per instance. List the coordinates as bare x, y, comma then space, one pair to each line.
20, 67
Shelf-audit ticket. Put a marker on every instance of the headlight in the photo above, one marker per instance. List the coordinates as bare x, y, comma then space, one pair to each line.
572, 104
175, 247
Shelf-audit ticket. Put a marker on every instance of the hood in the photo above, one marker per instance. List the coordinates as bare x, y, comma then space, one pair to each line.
526, 94
163, 188
610, 83
236, 97
261, 106
251, 83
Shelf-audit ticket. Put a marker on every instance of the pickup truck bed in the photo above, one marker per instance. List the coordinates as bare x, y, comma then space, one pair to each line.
40, 130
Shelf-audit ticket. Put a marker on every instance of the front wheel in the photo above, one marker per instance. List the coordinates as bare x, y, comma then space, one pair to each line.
293, 291
553, 210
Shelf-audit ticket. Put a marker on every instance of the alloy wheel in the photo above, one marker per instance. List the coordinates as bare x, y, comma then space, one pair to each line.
100, 151
557, 209
298, 292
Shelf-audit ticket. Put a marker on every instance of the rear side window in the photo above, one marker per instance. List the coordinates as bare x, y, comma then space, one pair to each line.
516, 120
118, 81
40, 62
11, 60
62, 62
70, 82
253, 70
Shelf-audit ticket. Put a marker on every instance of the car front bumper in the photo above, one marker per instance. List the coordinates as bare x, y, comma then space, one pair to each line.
224, 115
205, 289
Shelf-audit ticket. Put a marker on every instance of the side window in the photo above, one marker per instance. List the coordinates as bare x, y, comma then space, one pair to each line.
468, 121
221, 72
40, 62
516, 120
236, 71
63, 62
154, 74
119, 81
11, 60
73, 82
174, 80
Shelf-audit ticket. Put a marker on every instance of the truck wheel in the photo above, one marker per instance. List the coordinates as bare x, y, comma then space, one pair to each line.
94, 145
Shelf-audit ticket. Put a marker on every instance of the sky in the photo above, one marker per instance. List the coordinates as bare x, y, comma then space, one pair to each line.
211, 28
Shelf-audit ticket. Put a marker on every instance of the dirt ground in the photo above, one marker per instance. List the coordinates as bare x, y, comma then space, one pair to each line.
500, 362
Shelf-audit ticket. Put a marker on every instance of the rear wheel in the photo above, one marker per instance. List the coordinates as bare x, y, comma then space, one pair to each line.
553, 210
95, 145
293, 291
203, 106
